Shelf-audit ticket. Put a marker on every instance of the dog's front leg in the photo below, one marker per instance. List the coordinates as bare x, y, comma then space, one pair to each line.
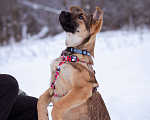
42, 104
73, 98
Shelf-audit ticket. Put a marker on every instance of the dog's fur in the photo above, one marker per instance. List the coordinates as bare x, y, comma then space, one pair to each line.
76, 80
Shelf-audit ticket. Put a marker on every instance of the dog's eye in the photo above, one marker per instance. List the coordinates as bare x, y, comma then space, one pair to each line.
81, 17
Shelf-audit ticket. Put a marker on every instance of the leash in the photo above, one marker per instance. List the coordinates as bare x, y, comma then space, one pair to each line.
70, 59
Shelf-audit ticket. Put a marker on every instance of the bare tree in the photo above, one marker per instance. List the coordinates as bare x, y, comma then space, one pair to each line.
35, 14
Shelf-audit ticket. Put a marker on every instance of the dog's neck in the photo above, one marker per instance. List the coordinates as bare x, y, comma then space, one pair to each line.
82, 43
72, 40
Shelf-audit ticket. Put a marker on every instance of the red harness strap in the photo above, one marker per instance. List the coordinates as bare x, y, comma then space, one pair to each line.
64, 59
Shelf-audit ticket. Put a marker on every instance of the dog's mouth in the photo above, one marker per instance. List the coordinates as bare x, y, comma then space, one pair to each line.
67, 23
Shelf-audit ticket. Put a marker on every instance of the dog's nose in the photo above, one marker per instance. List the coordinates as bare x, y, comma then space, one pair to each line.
64, 13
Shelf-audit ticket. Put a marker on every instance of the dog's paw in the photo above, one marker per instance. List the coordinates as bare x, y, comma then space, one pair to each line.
51, 91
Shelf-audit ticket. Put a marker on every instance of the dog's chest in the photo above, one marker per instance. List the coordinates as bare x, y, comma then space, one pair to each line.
62, 80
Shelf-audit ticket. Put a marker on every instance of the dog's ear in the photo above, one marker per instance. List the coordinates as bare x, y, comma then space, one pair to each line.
75, 9
98, 14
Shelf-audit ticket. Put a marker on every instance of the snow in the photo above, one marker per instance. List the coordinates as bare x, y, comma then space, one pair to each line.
122, 65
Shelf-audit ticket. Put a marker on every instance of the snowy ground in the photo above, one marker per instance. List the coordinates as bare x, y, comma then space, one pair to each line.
122, 64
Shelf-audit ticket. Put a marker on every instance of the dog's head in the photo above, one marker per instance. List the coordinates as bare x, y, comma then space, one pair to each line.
80, 26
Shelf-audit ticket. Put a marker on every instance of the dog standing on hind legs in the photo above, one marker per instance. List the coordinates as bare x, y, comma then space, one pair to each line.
73, 83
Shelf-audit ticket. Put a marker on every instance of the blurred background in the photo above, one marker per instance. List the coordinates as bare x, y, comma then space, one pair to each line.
31, 37
22, 18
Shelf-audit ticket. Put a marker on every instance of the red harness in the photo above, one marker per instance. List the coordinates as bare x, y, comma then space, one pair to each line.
64, 59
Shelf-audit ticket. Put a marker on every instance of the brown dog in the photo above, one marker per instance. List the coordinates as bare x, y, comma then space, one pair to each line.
73, 81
